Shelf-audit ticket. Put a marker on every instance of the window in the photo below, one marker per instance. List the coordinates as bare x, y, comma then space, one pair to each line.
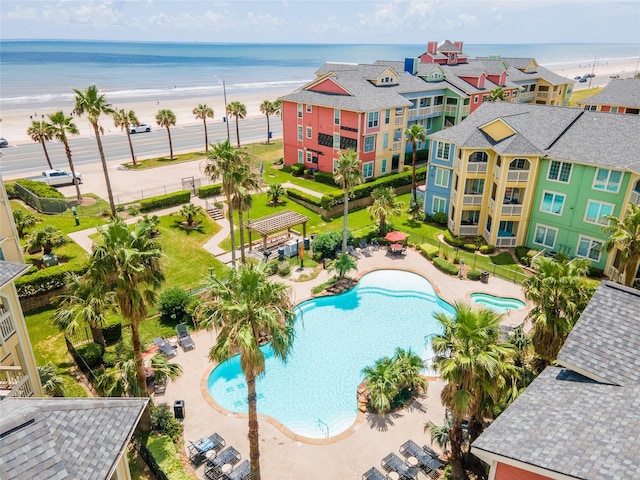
442, 153
474, 186
439, 205
425, 102
552, 203
309, 157
336, 141
385, 140
309, 132
367, 170
489, 221
596, 212
506, 228
414, 104
559, 171
369, 143
1, 254
308, 107
373, 120
438, 100
607, 180
336, 117
589, 248
383, 168
470, 217
299, 133
442, 177
335, 165
545, 236
299, 110
481, 157
475, 99
387, 116
519, 164
397, 135
300, 156
590, 108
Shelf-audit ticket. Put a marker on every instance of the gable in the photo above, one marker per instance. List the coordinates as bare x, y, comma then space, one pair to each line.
436, 74
477, 80
498, 130
387, 78
531, 67
328, 85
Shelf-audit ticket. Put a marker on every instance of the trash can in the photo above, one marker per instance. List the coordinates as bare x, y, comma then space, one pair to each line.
484, 277
306, 243
280, 254
178, 409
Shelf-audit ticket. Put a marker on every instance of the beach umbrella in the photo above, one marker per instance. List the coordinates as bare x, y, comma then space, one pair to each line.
395, 236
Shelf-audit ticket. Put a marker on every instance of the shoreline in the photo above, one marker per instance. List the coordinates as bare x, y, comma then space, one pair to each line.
15, 121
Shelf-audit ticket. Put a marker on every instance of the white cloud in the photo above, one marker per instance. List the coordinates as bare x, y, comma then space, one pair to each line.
468, 21
22, 13
264, 21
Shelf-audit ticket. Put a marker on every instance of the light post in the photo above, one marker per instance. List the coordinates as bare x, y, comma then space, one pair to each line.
226, 115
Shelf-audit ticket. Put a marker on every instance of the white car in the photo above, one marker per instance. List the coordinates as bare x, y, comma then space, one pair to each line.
143, 127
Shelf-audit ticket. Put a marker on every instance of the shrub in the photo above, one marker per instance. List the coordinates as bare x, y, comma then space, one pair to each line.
428, 250
325, 244
109, 359
210, 190
166, 458
474, 274
284, 269
286, 169
133, 211
162, 421
440, 218
297, 169
452, 239
272, 267
297, 194
112, 333
487, 249
324, 177
40, 189
91, 353
51, 278
11, 191
470, 247
162, 201
445, 266
172, 304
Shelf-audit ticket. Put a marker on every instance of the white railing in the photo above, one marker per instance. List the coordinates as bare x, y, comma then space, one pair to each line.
451, 225
614, 274
526, 97
468, 229
424, 111
395, 146
492, 204
477, 167
451, 109
635, 198
518, 176
496, 171
506, 242
472, 199
511, 210
399, 120
7, 328
465, 110
543, 95
13, 383
457, 163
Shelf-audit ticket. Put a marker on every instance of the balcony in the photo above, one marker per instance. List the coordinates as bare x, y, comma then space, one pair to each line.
396, 146
399, 120
477, 167
451, 109
542, 95
635, 198
511, 210
7, 328
506, 242
14, 383
527, 97
471, 200
518, 176
468, 229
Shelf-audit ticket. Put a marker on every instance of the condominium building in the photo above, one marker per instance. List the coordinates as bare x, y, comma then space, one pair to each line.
619, 96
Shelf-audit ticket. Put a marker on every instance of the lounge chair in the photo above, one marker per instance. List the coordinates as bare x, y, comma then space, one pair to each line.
184, 339
159, 387
374, 474
165, 347
353, 252
241, 472
199, 449
365, 248
229, 456
427, 462
393, 463
375, 245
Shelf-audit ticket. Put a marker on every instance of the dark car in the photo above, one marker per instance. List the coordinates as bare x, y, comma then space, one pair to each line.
3, 142
583, 80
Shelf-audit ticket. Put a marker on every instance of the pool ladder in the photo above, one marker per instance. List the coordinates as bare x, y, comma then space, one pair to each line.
324, 427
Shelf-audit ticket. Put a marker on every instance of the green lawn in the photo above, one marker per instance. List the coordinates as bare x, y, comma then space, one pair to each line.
578, 95
164, 161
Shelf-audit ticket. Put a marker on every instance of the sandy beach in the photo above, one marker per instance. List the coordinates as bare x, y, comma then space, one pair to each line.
15, 122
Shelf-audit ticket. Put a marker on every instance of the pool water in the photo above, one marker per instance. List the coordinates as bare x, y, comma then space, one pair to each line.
498, 304
314, 393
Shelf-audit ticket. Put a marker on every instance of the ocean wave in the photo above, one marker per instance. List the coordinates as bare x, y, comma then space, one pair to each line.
587, 62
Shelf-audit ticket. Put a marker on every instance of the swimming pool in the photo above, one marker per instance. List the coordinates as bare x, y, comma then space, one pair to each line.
498, 304
314, 393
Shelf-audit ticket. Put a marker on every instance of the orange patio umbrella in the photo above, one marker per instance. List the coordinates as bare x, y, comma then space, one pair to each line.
395, 236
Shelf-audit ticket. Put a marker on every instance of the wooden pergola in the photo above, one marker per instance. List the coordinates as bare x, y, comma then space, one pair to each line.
274, 223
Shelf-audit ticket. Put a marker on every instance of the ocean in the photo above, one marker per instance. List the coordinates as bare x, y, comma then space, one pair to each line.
38, 74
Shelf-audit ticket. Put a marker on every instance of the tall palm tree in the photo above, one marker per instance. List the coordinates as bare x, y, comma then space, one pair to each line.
497, 95
559, 294
248, 181
95, 104
166, 118
125, 119
470, 357
385, 205
347, 174
228, 164
415, 134
128, 263
202, 112
382, 383
61, 126
439, 434
243, 306
270, 108
41, 131
625, 235
238, 110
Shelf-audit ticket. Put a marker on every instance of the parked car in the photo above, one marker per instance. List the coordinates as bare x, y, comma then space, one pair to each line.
143, 127
3, 142
577, 77
615, 75
57, 178
583, 80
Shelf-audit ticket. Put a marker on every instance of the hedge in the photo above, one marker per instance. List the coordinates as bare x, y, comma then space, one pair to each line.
91, 353
474, 274
324, 177
210, 190
428, 250
112, 333
445, 266
40, 189
162, 201
313, 200
47, 279
487, 249
163, 459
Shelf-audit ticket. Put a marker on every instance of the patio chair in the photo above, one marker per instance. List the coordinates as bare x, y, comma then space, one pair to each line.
229, 456
353, 252
393, 463
241, 472
199, 449
427, 462
374, 474
159, 387
365, 248
184, 339
165, 347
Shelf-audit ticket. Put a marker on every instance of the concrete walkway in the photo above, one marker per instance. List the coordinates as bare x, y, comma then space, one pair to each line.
308, 191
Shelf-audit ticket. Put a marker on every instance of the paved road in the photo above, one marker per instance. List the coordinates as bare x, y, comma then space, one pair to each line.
27, 159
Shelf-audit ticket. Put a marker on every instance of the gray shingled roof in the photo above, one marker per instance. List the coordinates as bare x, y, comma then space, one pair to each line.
566, 423
65, 438
618, 93
9, 271
605, 341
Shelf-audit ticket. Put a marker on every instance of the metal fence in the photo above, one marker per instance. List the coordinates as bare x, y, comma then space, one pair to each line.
188, 183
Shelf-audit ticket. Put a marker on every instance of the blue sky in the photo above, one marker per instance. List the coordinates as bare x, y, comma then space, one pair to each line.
324, 21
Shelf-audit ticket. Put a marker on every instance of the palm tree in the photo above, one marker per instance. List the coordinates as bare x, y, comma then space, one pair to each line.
384, 206
128, 263
409, 366
190, 212
166, 118
41, 131
470, 357
625, 235
228, 164
497, 95
559, 294
238, 110
94, 104
122, 379
242, 201
52, 384
48, 237
275, 192
270, 108
62, 126
202, 112
415, 134
83, 304
244, 306
342, 264
347, 174
23, 220
382, 383
440, 433
125, 119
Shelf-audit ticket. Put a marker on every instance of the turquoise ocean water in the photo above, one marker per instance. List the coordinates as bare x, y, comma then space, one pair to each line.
42, 73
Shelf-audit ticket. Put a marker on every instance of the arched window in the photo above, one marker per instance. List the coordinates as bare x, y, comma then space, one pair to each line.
479, 157
636, 188
519, 164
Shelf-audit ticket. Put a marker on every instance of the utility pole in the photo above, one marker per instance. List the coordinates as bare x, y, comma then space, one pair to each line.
226, 114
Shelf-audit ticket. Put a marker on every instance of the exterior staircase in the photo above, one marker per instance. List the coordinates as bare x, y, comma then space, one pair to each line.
215, 212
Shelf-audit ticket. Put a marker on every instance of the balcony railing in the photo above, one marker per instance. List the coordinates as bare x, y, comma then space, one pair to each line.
465, 110
477, 167
492, 204
7, 328
506, 242
14, 383
399, 120
451, 109
468, 229
511, 210
395, 146
635, 198
425, 111
472, 200
527, 97
543, 95
518, 176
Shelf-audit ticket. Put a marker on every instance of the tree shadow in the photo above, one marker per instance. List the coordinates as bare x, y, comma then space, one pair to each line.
382, 422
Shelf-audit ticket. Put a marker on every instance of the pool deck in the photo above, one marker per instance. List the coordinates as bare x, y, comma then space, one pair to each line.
283, 457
